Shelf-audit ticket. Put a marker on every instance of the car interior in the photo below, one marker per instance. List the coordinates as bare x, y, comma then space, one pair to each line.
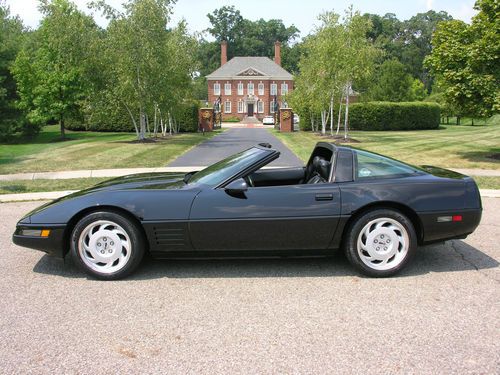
316, 171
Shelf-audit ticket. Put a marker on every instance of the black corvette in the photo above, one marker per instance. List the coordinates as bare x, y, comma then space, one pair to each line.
378, 210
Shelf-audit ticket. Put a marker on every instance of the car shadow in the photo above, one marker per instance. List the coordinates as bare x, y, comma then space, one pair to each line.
452, 256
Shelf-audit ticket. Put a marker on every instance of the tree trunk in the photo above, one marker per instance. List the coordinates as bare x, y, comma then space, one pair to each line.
331, 115
142, 125
133, 120
324, 120
170, 123
458, 120
472, 121
147, 125
346, 119
340, 114
155, 122
61, 126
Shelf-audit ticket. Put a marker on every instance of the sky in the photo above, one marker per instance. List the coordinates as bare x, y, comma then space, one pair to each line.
302, 13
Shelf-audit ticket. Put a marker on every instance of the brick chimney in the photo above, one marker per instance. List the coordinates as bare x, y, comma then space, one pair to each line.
277, 52
223, 52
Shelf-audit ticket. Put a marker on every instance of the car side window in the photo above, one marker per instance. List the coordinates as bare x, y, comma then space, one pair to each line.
370, 165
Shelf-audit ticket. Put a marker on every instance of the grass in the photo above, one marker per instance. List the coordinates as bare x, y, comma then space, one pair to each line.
487, 182
450, 146
92, 150
33, 186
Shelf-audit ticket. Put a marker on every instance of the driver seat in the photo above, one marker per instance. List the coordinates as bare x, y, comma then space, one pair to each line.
320, 170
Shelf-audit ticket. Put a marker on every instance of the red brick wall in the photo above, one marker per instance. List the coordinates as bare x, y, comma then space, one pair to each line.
234, 97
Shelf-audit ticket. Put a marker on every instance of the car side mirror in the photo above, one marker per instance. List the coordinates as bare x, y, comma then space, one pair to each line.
237, 186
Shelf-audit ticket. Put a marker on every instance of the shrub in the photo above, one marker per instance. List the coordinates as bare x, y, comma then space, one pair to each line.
394, 116
186, 116
231, 119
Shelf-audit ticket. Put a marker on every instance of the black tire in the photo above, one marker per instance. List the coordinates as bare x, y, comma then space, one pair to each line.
126, 230
368, 265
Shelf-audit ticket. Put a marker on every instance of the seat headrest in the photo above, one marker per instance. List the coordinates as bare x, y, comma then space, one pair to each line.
322, 167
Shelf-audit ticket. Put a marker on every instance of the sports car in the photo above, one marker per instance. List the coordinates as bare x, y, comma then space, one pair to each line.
376, 209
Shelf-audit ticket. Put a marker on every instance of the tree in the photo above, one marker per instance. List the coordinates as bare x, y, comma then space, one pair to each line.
416, 42
51, 78
408, 41
11, 38
336, 56
391, 83
465, 61
149, 66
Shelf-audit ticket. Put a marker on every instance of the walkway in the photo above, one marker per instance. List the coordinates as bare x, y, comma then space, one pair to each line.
232, 141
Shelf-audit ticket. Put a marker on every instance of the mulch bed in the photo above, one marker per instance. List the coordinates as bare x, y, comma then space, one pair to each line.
338, 139
494, 156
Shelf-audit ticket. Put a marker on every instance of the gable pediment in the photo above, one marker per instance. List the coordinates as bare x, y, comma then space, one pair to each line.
250, 72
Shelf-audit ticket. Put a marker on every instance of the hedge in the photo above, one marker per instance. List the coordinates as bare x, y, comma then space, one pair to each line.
394, 116
118, 120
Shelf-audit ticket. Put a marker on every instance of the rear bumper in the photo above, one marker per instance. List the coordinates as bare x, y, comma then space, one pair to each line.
52, 245
433, 230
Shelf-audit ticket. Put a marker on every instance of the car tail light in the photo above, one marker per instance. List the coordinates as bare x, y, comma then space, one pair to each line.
447, 219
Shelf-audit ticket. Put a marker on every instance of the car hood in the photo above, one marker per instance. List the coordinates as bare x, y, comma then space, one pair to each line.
158, 181
142, 181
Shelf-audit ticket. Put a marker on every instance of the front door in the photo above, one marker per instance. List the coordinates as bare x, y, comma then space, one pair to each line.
294, 217
250, 109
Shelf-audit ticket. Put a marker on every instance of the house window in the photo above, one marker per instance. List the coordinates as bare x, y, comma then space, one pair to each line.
241, 107
261, 89
227, 89
273, 105
284, 88
250, 89
274, 89
216, 88
227, 107
240, 88
260, 106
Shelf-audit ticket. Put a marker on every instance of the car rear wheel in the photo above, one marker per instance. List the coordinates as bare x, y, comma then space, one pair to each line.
107, 245
380, 242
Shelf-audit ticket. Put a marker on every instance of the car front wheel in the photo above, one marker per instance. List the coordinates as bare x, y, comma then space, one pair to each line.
380, 242
107, 245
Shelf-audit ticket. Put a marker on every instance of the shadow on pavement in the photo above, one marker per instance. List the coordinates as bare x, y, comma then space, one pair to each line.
452, 256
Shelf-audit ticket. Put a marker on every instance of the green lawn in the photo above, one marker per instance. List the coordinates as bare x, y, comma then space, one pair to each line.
31, 186
449, 146
92, 150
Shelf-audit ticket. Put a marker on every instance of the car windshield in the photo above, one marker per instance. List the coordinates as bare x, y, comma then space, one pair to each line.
222, 170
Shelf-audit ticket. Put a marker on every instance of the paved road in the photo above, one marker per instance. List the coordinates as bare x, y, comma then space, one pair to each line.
261, 316
232, 141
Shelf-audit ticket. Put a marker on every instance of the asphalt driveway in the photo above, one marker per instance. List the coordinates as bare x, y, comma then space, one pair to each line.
440, 316
232, 141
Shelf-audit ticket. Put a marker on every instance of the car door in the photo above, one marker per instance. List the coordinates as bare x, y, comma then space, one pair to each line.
265, 218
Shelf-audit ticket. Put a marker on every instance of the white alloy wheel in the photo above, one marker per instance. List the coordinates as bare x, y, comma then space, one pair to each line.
383, 244
104, 246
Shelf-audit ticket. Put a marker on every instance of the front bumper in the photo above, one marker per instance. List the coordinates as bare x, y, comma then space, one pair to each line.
53, 245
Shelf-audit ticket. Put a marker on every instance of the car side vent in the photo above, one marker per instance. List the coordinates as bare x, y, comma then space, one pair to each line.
170, 237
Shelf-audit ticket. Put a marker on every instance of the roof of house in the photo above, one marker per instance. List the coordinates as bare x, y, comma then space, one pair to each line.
250, 67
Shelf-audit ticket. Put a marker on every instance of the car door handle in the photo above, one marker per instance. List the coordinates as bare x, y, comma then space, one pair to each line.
324, 197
